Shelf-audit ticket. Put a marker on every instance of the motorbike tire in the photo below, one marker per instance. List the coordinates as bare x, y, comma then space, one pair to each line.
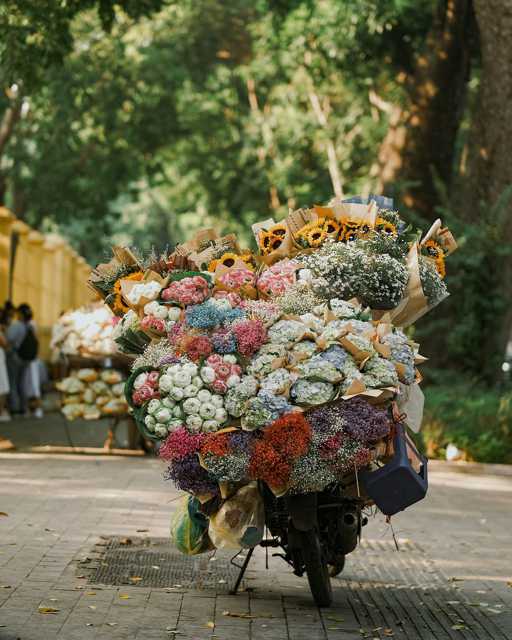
316, 568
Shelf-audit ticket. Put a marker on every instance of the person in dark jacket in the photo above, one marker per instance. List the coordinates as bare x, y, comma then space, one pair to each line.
22, 349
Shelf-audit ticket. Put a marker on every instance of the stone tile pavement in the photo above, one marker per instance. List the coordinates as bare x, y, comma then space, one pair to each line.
452, 577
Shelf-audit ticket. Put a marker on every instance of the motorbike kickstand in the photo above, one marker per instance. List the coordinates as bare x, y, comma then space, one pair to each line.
243, 569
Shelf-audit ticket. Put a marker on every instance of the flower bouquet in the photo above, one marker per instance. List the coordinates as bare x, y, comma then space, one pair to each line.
281, 364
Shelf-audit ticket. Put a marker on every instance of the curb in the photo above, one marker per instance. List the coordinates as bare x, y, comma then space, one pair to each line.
474, 468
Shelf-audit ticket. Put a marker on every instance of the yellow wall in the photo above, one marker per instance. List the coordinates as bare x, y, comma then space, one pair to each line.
48, 274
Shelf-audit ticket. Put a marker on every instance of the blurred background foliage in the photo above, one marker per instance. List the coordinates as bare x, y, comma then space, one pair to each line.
142, 120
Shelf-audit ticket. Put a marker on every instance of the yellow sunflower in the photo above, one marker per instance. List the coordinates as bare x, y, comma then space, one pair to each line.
434, 251
331, 227
278, 230
383, 226
264, 242
316, 236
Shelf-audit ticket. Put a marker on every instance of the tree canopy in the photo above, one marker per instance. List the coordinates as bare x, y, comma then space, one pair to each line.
140, 120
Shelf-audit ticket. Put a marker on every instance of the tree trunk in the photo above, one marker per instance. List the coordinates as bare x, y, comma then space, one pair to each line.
488, 184
419, 147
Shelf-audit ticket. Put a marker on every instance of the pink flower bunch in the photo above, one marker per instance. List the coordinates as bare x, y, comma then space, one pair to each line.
153, 324
192, 290
250, 336
147, 391
237, 278
196, 347
277, 278
177, 332
227, 374
181, 443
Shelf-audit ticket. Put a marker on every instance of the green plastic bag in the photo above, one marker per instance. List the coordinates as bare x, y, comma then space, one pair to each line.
189, 528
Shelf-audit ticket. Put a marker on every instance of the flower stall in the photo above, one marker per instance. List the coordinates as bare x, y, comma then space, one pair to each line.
289, 365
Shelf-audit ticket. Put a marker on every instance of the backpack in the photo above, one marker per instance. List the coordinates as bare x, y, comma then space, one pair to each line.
29, 346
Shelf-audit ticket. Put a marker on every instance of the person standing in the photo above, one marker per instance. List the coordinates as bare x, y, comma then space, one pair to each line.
23, 349
4, 378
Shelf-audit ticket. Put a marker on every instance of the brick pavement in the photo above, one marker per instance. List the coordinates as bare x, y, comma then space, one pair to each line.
451, 579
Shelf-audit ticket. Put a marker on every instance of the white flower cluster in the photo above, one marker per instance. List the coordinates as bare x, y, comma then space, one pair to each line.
184, 385
162, 311
149, 290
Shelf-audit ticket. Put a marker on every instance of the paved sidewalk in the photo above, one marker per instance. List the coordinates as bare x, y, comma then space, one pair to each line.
451, 578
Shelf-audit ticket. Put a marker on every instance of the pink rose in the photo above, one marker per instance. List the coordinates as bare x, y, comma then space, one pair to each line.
152, 378
223, 370
219, 386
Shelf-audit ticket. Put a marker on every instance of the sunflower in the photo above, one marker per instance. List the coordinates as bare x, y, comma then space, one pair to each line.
364, 230
119, 305
278, 230
228, 259
351, 235
316, 236
264, 242
302, 234
331, 227
433, 250
275, 243
384, 226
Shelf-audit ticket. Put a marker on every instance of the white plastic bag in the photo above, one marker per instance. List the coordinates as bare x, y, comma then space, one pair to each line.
240, 521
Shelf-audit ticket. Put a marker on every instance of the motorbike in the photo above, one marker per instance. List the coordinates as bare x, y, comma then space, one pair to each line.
314, 531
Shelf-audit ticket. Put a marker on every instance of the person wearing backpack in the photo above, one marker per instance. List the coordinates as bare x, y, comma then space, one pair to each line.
23, 349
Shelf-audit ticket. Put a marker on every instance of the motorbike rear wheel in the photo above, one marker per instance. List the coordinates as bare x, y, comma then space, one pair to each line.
316, 568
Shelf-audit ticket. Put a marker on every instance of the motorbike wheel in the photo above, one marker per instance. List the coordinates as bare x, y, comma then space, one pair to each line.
316, 568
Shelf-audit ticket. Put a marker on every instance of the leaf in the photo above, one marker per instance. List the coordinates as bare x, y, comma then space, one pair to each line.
136, 579
5, 586
111, 624
2, 513
124, 596
125, 541
47, 610
459, 627
91, 593
142, 530
246, 616
210, 625
92, 606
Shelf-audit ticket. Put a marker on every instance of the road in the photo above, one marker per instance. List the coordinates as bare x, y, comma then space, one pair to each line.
84, 554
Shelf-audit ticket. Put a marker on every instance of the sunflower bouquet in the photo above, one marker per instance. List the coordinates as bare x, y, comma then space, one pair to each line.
279, 364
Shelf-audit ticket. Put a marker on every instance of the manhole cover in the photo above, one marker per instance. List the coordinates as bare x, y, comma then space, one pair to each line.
389, 589
154, 562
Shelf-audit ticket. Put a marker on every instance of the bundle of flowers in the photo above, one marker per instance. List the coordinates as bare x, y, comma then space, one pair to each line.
278, 365
92, 394
87, 331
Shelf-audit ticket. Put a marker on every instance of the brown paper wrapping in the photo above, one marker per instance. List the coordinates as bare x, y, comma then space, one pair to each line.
414, 304
359, 355
363, 213
202, 248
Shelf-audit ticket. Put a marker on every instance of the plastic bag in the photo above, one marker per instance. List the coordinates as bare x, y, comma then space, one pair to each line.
189, 528
240, 521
